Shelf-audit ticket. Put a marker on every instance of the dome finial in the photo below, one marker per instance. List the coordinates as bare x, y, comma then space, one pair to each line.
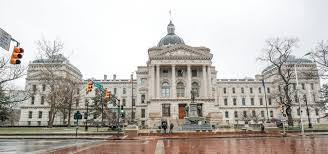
170, 28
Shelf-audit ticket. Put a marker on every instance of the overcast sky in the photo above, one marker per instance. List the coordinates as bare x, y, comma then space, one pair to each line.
112, 37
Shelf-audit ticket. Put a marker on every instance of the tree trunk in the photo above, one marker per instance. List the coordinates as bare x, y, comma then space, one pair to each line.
69, 112
288, 107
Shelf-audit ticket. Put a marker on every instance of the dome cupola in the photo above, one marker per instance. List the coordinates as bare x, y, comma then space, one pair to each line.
171, 38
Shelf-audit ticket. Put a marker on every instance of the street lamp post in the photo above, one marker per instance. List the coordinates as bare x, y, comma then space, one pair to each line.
297, 93
132, 112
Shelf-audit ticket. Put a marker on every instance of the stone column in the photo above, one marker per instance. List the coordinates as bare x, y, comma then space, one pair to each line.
158, 94
173, 87
153, 83
209, 76
204, 83
188, 84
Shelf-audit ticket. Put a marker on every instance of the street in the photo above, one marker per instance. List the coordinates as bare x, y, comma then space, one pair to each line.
36, 146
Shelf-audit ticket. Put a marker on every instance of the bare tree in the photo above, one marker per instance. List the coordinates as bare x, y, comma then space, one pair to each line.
277, 53
8, 97
62, 83
320, 57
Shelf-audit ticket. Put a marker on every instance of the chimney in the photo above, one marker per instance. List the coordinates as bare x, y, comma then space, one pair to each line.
114, 77
105, 77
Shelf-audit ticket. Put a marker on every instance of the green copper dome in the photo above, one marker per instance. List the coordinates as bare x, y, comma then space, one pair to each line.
171, 38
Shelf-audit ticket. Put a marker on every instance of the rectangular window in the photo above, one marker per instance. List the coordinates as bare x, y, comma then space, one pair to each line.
260, 90
224, 90
233, 90
268, 90
32, 100
226, 114
252, 101
124, 90
43, 87
298, 112
124, 102
194, 73
77, 102
271, 113
262, 113
180, 73
253, 113
133, 102
312, 86
225, 101
42, 100
261, 101
236, 114
303, 86
40, 114
295, 98
39, 123
115, 91
244, 114
251, 90
243, 101
234, 101
242, 90
29, 123
34, 88
143, 97
270, 101
143, 113
166, 112
142, 81
30, 114
165, 73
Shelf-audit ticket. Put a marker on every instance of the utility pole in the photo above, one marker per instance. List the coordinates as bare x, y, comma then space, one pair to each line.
132, 112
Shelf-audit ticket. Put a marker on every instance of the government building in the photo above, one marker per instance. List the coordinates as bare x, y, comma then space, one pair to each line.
162, 90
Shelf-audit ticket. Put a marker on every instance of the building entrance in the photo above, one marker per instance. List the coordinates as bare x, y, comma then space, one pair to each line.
182, 112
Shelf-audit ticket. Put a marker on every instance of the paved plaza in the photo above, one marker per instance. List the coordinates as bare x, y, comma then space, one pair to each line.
267, 145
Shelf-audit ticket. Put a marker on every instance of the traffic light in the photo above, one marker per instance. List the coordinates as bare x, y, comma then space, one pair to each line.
281, 108
107, 93
16, 55
90, 86
122, 111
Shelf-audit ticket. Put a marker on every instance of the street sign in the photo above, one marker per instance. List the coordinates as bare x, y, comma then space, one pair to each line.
5, 39
98, 85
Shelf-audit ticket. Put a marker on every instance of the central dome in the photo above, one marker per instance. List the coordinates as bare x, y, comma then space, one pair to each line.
170, 38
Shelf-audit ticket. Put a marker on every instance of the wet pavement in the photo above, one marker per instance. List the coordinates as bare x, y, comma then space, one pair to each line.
267, 145
8, 146
261, 145
150, 145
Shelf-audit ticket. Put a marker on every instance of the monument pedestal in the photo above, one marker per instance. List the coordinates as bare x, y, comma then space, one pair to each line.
195, 123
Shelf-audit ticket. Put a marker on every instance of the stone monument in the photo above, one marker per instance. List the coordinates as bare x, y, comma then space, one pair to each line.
192, 121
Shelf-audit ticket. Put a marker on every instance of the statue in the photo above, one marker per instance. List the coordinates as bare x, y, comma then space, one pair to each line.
192, 96
187, 110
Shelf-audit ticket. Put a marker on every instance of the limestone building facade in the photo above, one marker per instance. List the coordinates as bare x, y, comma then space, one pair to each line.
162, 89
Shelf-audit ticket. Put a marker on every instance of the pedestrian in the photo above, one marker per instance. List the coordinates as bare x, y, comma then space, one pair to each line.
164, 126
171, 127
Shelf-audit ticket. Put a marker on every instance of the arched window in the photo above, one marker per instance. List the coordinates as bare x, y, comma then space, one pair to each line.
195, 88
165, 89
180, 89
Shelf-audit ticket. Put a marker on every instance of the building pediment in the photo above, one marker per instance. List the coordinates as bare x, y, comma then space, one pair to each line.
181, 52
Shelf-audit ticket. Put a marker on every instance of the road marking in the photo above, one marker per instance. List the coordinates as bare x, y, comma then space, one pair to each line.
160, 147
